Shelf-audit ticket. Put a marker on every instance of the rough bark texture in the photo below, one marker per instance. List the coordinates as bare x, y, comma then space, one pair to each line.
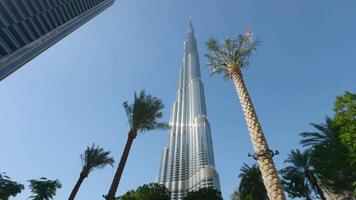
74, 192
120, 168
269, 173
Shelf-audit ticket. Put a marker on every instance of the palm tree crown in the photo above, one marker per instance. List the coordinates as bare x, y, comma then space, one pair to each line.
143, 112
95, 157
301, 160
251, 183
9, 187
44, 189
325, 135
302, 168
234, 53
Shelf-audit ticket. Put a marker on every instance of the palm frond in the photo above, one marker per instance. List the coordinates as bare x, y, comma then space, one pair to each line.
234, 52
324, 136
251, 182
129, 112
144, 112
95, 157
44, 189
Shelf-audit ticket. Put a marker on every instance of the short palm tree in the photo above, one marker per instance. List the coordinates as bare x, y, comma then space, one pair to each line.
142, 116
251, 183
295, 184
44, 189
229, 59
301, 169
9, 187
94, 157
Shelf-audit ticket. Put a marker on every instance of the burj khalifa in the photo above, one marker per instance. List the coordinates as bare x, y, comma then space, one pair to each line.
187, 161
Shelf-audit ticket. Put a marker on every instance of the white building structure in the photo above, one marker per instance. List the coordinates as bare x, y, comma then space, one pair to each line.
187, 161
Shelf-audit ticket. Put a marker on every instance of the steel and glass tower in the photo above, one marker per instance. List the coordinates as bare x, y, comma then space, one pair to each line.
187, 161
29, 27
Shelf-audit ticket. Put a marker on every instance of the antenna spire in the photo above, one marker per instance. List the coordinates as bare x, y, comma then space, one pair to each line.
190, 29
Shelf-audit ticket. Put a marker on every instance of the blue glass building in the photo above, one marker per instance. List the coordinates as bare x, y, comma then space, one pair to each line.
29, 27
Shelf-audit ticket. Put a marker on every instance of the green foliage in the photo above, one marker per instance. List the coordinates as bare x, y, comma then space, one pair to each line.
249, 197
345, 122
251, 183
44, 189
333, 146
295, 176
235, 196
152, 191
330, 157
8, 187
204, 194
95, 157
233, 53
143, 112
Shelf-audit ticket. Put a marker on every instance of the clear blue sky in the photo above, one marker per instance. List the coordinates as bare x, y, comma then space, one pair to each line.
70, 96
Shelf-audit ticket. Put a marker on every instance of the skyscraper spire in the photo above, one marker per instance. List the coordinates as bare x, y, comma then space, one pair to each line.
187, 161
190, 23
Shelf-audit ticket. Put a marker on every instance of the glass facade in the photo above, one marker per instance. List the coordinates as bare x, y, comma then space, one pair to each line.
28, 27
187, 162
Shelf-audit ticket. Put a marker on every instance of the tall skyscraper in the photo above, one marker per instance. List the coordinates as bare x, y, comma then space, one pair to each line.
187, 161
29, 27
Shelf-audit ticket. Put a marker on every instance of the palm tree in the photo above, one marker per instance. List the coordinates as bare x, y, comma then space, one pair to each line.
44, 189
94, 157
295, 184
325, 136
251, 183
142, 116
330, 157
302, 169
229, 59
9, 187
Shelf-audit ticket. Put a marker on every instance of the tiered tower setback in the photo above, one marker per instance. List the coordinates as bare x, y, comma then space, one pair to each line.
187, 161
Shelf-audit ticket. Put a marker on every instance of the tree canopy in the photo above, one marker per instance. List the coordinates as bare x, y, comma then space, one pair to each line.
233, 53
9, 187
251, 184
204, 194
152, 191
143, 113
95, 157
332, 146
345, 122
44, 189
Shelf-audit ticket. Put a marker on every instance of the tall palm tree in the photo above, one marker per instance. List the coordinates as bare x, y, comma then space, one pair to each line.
251, 183
142, 116
301, 168
44, 189
9, 187
94, 157
229, 59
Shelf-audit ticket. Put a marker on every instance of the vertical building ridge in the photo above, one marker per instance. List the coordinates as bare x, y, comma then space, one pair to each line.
187, 162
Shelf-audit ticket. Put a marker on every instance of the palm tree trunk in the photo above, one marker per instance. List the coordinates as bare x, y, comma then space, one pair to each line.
307, 197
263, 155
77, 186
120, 168
312, 179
